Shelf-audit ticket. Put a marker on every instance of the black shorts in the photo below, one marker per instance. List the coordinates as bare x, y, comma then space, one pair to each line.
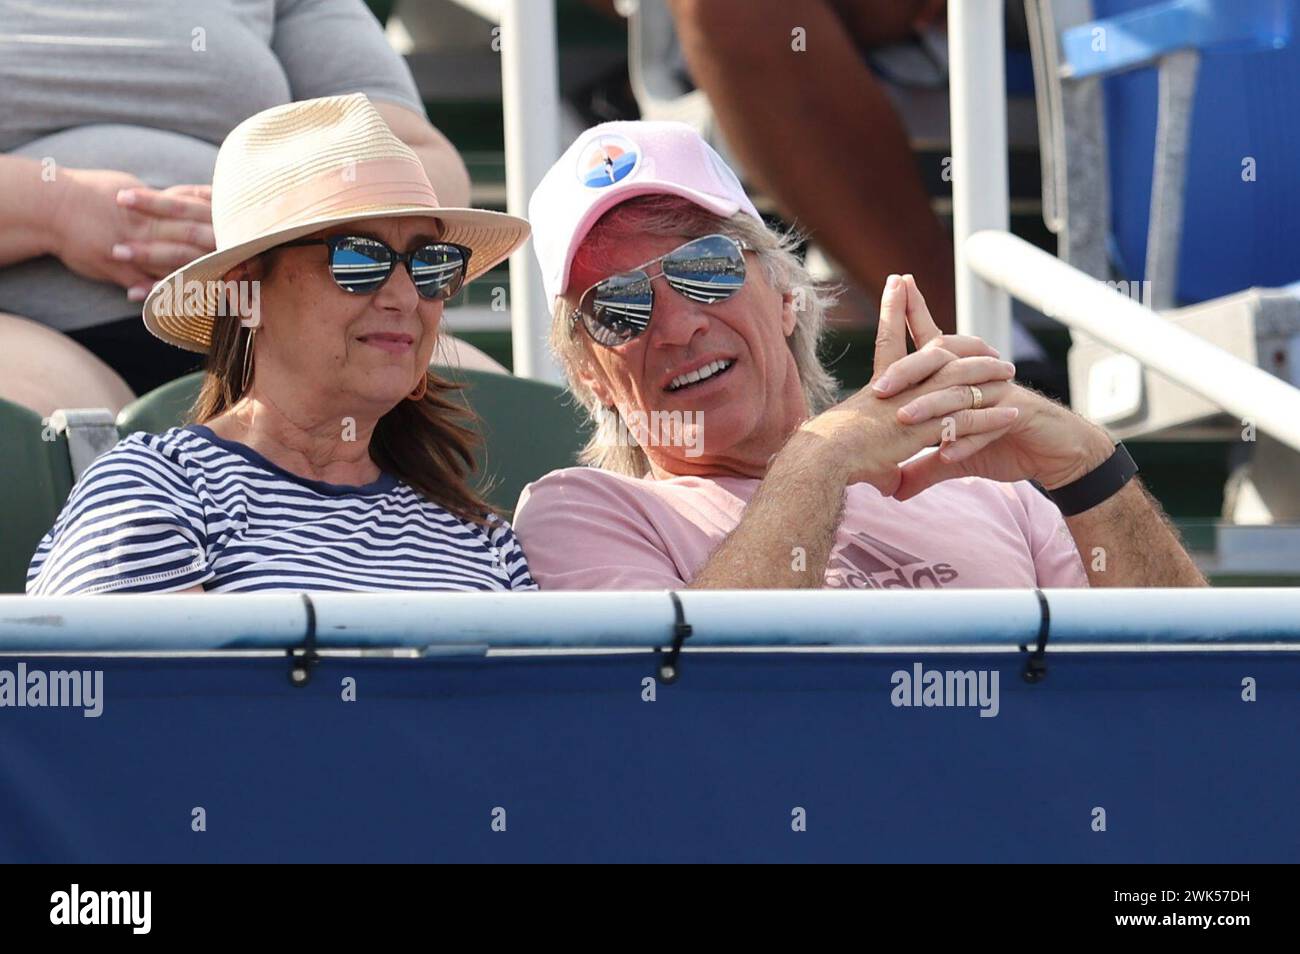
145, 362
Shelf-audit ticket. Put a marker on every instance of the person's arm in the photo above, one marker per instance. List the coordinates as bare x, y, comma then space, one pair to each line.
130, 526
1127, 540
798, 505
1054, 446
441, 161
27, 205
1138, 543
102, 224
335, 47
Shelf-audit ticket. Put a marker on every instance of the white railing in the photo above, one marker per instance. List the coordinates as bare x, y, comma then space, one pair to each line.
991, 262
984, 619
1085, 304
530, 98
980, 193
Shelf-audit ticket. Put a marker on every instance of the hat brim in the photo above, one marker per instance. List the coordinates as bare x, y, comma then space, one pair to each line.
718, 205
186, 320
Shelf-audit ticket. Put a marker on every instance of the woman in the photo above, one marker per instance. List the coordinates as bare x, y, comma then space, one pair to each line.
324, 454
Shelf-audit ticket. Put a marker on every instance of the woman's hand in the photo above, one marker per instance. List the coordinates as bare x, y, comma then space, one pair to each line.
1045, 442
111, 227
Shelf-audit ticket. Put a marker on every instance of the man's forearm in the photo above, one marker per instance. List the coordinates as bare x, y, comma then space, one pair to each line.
1128, 541
785, 537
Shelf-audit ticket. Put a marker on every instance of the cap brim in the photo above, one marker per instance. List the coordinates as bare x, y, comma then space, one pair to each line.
713, 203
186, 320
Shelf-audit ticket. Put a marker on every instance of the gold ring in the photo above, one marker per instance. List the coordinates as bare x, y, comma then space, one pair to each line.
976, 397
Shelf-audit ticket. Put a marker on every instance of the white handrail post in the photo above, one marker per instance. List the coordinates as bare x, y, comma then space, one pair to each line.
530, 95
977, 102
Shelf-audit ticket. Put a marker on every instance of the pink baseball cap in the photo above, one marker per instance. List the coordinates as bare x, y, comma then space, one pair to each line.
614, 162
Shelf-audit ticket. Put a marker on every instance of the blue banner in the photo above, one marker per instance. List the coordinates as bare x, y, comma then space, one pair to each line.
765, 756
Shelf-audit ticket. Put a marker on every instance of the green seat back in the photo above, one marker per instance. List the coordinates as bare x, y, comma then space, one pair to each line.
529, 428
163, 407
37, 480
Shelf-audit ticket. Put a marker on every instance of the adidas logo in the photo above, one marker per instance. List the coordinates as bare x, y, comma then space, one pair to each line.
866, 562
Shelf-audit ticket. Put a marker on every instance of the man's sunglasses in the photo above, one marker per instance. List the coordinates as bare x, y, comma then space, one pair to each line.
360, 264
708, 270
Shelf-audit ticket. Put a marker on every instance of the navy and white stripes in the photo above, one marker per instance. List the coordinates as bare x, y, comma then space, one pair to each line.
168, 512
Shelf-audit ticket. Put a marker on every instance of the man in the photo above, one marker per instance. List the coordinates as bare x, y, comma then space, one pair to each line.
689, 332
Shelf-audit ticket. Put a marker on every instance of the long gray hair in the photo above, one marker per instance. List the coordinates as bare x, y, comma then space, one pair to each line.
612, 446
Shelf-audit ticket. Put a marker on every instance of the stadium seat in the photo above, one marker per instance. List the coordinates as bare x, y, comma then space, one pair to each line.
1149, 181
1166, 127
1164, 78
163, 407
528, 427
37, 478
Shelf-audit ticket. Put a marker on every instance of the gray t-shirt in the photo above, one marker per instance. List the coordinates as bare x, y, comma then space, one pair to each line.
152, 87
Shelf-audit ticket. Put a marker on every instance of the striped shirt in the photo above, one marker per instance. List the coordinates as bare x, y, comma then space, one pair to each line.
165, 512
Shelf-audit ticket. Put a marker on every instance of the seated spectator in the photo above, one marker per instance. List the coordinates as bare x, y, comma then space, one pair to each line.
721, 458
110, 117
325, 454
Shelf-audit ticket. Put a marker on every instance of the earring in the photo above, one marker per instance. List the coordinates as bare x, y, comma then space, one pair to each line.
248, 360
420, 389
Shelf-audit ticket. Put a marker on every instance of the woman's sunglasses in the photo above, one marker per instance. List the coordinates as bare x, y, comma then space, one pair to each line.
708, 270
360, 264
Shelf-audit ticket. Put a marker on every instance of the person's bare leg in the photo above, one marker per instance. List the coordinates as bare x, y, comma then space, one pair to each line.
816, 130
45, 371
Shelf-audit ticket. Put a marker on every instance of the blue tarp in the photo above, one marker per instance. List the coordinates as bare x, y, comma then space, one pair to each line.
714, 769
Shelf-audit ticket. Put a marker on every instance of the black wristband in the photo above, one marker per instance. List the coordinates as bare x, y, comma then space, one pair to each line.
1100, 483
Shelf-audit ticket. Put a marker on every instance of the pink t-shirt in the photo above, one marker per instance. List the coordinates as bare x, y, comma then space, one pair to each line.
588, 529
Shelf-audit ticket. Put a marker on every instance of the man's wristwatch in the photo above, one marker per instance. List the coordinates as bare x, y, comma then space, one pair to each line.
1099, 484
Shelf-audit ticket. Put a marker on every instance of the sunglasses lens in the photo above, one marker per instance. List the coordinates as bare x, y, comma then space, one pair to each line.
618, 309
708, 270
438, 270
360, 265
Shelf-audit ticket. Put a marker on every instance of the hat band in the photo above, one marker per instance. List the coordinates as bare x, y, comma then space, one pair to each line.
359, 187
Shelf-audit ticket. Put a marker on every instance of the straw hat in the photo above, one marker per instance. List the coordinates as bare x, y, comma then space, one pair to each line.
292, 170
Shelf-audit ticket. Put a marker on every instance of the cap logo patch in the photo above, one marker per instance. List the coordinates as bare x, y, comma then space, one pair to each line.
607, 160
